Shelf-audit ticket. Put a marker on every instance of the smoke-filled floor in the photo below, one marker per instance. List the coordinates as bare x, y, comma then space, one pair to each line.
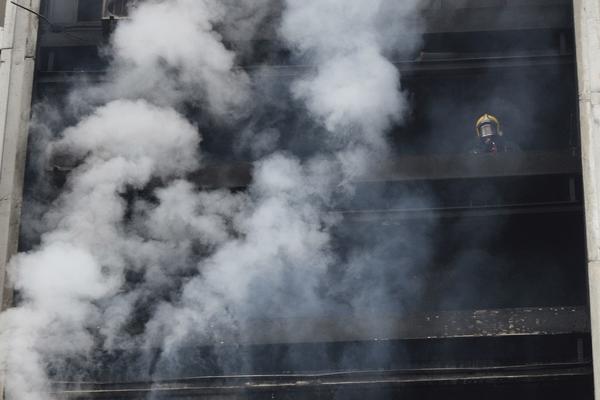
360, 216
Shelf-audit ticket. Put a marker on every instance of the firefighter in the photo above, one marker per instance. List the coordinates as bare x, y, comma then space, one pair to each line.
490, 136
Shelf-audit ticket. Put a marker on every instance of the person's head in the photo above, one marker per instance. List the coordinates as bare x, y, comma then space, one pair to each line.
487, 128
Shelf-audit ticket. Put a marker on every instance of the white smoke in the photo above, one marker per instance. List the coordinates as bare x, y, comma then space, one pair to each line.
169, 53
273, 266
355, 90
284, 232
202, 261
81, 259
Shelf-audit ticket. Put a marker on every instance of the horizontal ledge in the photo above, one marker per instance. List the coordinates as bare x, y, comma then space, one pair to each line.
415, 66
434, 325
332, 381
426, 167
389, 216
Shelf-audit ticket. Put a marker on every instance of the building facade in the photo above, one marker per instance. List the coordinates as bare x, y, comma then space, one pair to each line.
507, 304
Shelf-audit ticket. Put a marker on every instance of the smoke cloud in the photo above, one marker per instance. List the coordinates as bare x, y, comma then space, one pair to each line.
355, 91
132, 254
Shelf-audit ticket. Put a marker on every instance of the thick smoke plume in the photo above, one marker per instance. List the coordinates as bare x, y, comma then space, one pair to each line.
355, 91
132, 255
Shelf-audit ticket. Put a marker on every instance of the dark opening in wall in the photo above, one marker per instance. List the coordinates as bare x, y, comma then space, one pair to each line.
72, 58
534, 103
2, 8
89, 10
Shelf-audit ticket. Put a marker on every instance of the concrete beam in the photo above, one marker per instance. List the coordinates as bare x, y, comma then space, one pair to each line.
17, 57
434, 325
410, 168
587, 37
336, 385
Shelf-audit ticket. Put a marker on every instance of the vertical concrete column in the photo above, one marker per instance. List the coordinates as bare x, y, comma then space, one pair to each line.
587, 36
18, 37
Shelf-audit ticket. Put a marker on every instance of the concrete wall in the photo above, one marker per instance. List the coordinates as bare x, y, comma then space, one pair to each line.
17, 57
587, 32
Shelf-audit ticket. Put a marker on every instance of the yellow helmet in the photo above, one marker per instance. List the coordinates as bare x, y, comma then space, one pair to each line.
487, 125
